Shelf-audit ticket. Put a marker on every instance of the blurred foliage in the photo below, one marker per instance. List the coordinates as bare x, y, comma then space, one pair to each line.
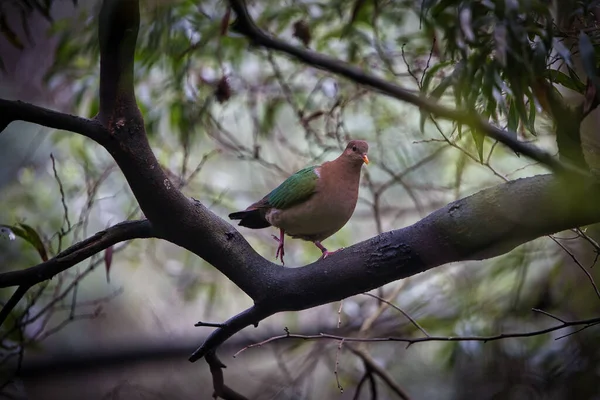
229, 121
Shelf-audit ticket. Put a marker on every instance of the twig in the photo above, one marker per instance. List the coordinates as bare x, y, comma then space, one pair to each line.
13, 301
360, 385
410, 341
209, 324
251, 316
62, 193
376, 369
407, 315
548, 314
585, 271
221, 390
337, 364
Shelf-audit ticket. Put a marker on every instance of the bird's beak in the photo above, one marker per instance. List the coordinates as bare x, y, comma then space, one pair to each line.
365, 159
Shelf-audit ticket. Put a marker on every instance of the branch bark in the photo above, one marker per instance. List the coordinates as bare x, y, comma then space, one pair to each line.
20, 111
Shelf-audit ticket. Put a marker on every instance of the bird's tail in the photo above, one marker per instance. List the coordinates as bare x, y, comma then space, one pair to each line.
253, 219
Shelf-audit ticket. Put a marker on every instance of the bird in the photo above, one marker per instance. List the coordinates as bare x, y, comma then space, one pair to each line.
312, 204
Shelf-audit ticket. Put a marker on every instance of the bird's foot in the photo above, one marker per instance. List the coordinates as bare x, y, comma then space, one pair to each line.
280, 251
325, 252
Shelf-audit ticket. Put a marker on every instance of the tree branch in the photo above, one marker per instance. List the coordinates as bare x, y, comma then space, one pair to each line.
13, 301
372, 365
410, 341
484, 225
221, 390
20, 111
251, 316
246, 26
78, 252
118, 27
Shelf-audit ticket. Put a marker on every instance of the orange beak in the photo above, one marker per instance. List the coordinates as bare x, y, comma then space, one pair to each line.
365, 159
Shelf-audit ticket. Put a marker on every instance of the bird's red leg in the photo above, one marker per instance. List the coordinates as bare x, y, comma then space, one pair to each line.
280, 251
324, 250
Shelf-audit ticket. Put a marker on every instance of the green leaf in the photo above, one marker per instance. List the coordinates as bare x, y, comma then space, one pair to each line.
500, 43
430, 74
513, 118
436, 94
479, 138
34, 239
571, 82
519, 100
28, 234
531, 122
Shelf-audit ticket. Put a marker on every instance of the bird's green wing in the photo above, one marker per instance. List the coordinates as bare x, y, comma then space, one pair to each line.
295, 189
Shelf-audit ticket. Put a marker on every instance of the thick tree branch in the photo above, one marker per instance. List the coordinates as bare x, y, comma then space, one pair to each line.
251, 316
20, 111
484, 225
118, 27
78, 252
245, 25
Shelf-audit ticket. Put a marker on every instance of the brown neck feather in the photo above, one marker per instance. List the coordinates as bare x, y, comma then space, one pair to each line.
345, 167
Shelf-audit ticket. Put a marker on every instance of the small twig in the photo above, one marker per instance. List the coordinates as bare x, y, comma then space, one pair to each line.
339, 321
372, 385
378, 370
428, 61
337, 364
216, 369
592, 242
410, 72
360, 385
184, 181
585, 271
209, 324
13, 301
407, 315
548, 314
62, 193
410, 341
576, 331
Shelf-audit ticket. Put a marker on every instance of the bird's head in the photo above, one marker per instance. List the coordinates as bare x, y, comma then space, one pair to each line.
356, 152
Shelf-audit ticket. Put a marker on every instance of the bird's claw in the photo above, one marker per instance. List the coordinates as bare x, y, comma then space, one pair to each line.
280, 251
327, 253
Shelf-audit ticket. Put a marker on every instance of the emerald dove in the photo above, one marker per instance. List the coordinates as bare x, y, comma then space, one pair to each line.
312, 204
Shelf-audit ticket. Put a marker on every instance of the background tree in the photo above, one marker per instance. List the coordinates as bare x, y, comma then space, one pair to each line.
497, 85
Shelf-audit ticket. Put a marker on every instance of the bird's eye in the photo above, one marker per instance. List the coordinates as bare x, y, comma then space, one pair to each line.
353, 148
